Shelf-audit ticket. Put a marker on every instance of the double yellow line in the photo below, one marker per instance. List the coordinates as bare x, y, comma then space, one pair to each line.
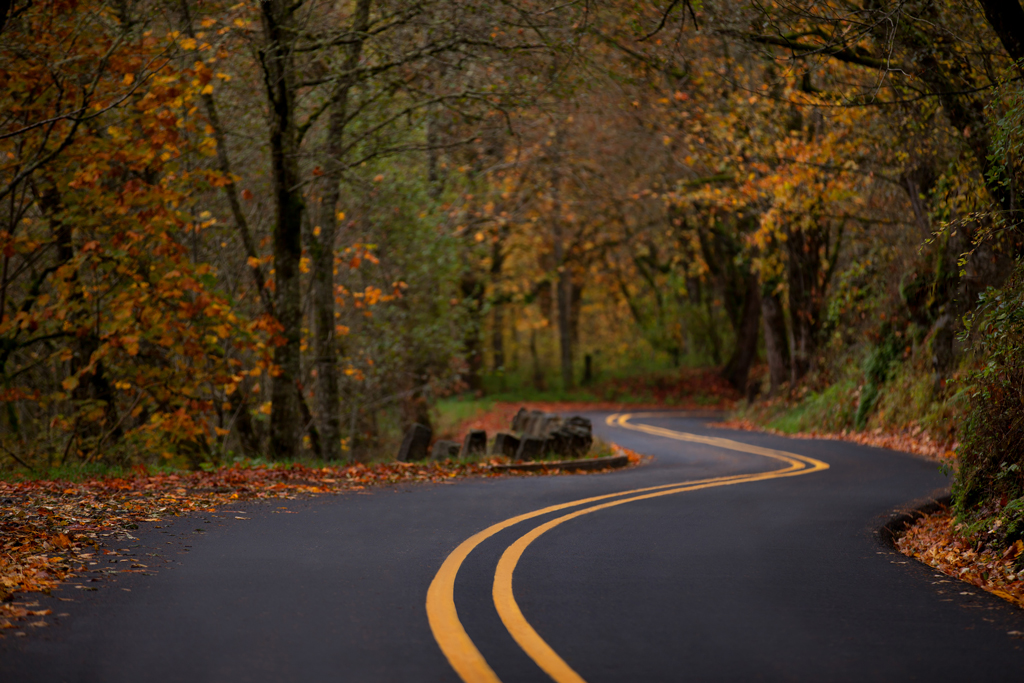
452, 638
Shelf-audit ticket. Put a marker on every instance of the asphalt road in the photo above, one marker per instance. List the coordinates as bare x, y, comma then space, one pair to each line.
755, 577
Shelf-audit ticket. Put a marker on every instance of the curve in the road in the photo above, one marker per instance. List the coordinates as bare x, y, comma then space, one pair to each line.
445, 624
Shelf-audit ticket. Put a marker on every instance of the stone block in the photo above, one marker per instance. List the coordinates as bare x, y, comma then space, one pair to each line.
505, 444
443, 450
531, 424
519, 421
582, 422
531, 448
559, 442
416, 442
475, 443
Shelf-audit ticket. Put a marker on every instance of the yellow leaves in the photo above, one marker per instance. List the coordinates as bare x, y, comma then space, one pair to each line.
131, 345
304, 265
341, 330
316, 231
207, 89
71, 383
208, 22
265, 408
128, 79
188, 44
341, 215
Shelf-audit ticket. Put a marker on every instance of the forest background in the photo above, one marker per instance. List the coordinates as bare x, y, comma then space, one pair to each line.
287, 230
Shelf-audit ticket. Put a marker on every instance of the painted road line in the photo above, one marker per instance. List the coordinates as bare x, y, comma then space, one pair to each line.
622, 420
504, 599
444, 620
448, 631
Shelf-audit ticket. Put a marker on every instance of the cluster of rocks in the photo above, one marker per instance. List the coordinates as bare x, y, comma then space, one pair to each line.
544, 433
534, 434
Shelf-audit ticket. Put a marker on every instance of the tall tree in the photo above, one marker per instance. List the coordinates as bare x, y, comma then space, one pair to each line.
277, 61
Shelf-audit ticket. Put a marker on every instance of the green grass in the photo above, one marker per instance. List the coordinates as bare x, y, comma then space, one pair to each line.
79, 472
831, 410
449, 413
519, 383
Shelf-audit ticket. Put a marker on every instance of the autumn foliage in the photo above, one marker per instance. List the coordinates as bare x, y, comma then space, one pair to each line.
114, 338
286, 230
936, 541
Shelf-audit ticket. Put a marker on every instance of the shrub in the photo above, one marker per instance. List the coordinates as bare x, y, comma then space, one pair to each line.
989, 483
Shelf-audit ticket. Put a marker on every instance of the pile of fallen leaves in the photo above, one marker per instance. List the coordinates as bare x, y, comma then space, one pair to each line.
49, 529
911, 440
934, 540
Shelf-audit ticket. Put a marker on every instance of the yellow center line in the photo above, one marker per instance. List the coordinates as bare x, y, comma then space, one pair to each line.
448, 631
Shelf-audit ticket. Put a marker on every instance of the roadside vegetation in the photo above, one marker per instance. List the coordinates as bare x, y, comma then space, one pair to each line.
236, 236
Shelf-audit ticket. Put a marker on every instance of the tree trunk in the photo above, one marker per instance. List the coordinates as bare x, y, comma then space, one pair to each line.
565, 325
498, 339
497, 309
472, 292
737, 370
248, 438
716, 341
776, 344
325, 342
1007, 19
563, 286
276, 60
806, 296
539, 382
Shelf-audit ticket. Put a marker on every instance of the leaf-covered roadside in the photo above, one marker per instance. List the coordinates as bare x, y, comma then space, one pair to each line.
911, 440
934, 540
51, 531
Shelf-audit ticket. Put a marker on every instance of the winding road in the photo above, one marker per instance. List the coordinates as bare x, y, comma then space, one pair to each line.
731, 556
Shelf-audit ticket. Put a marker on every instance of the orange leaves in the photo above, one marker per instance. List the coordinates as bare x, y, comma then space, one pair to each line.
132, 317
50, 530
908, 440
934, 540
